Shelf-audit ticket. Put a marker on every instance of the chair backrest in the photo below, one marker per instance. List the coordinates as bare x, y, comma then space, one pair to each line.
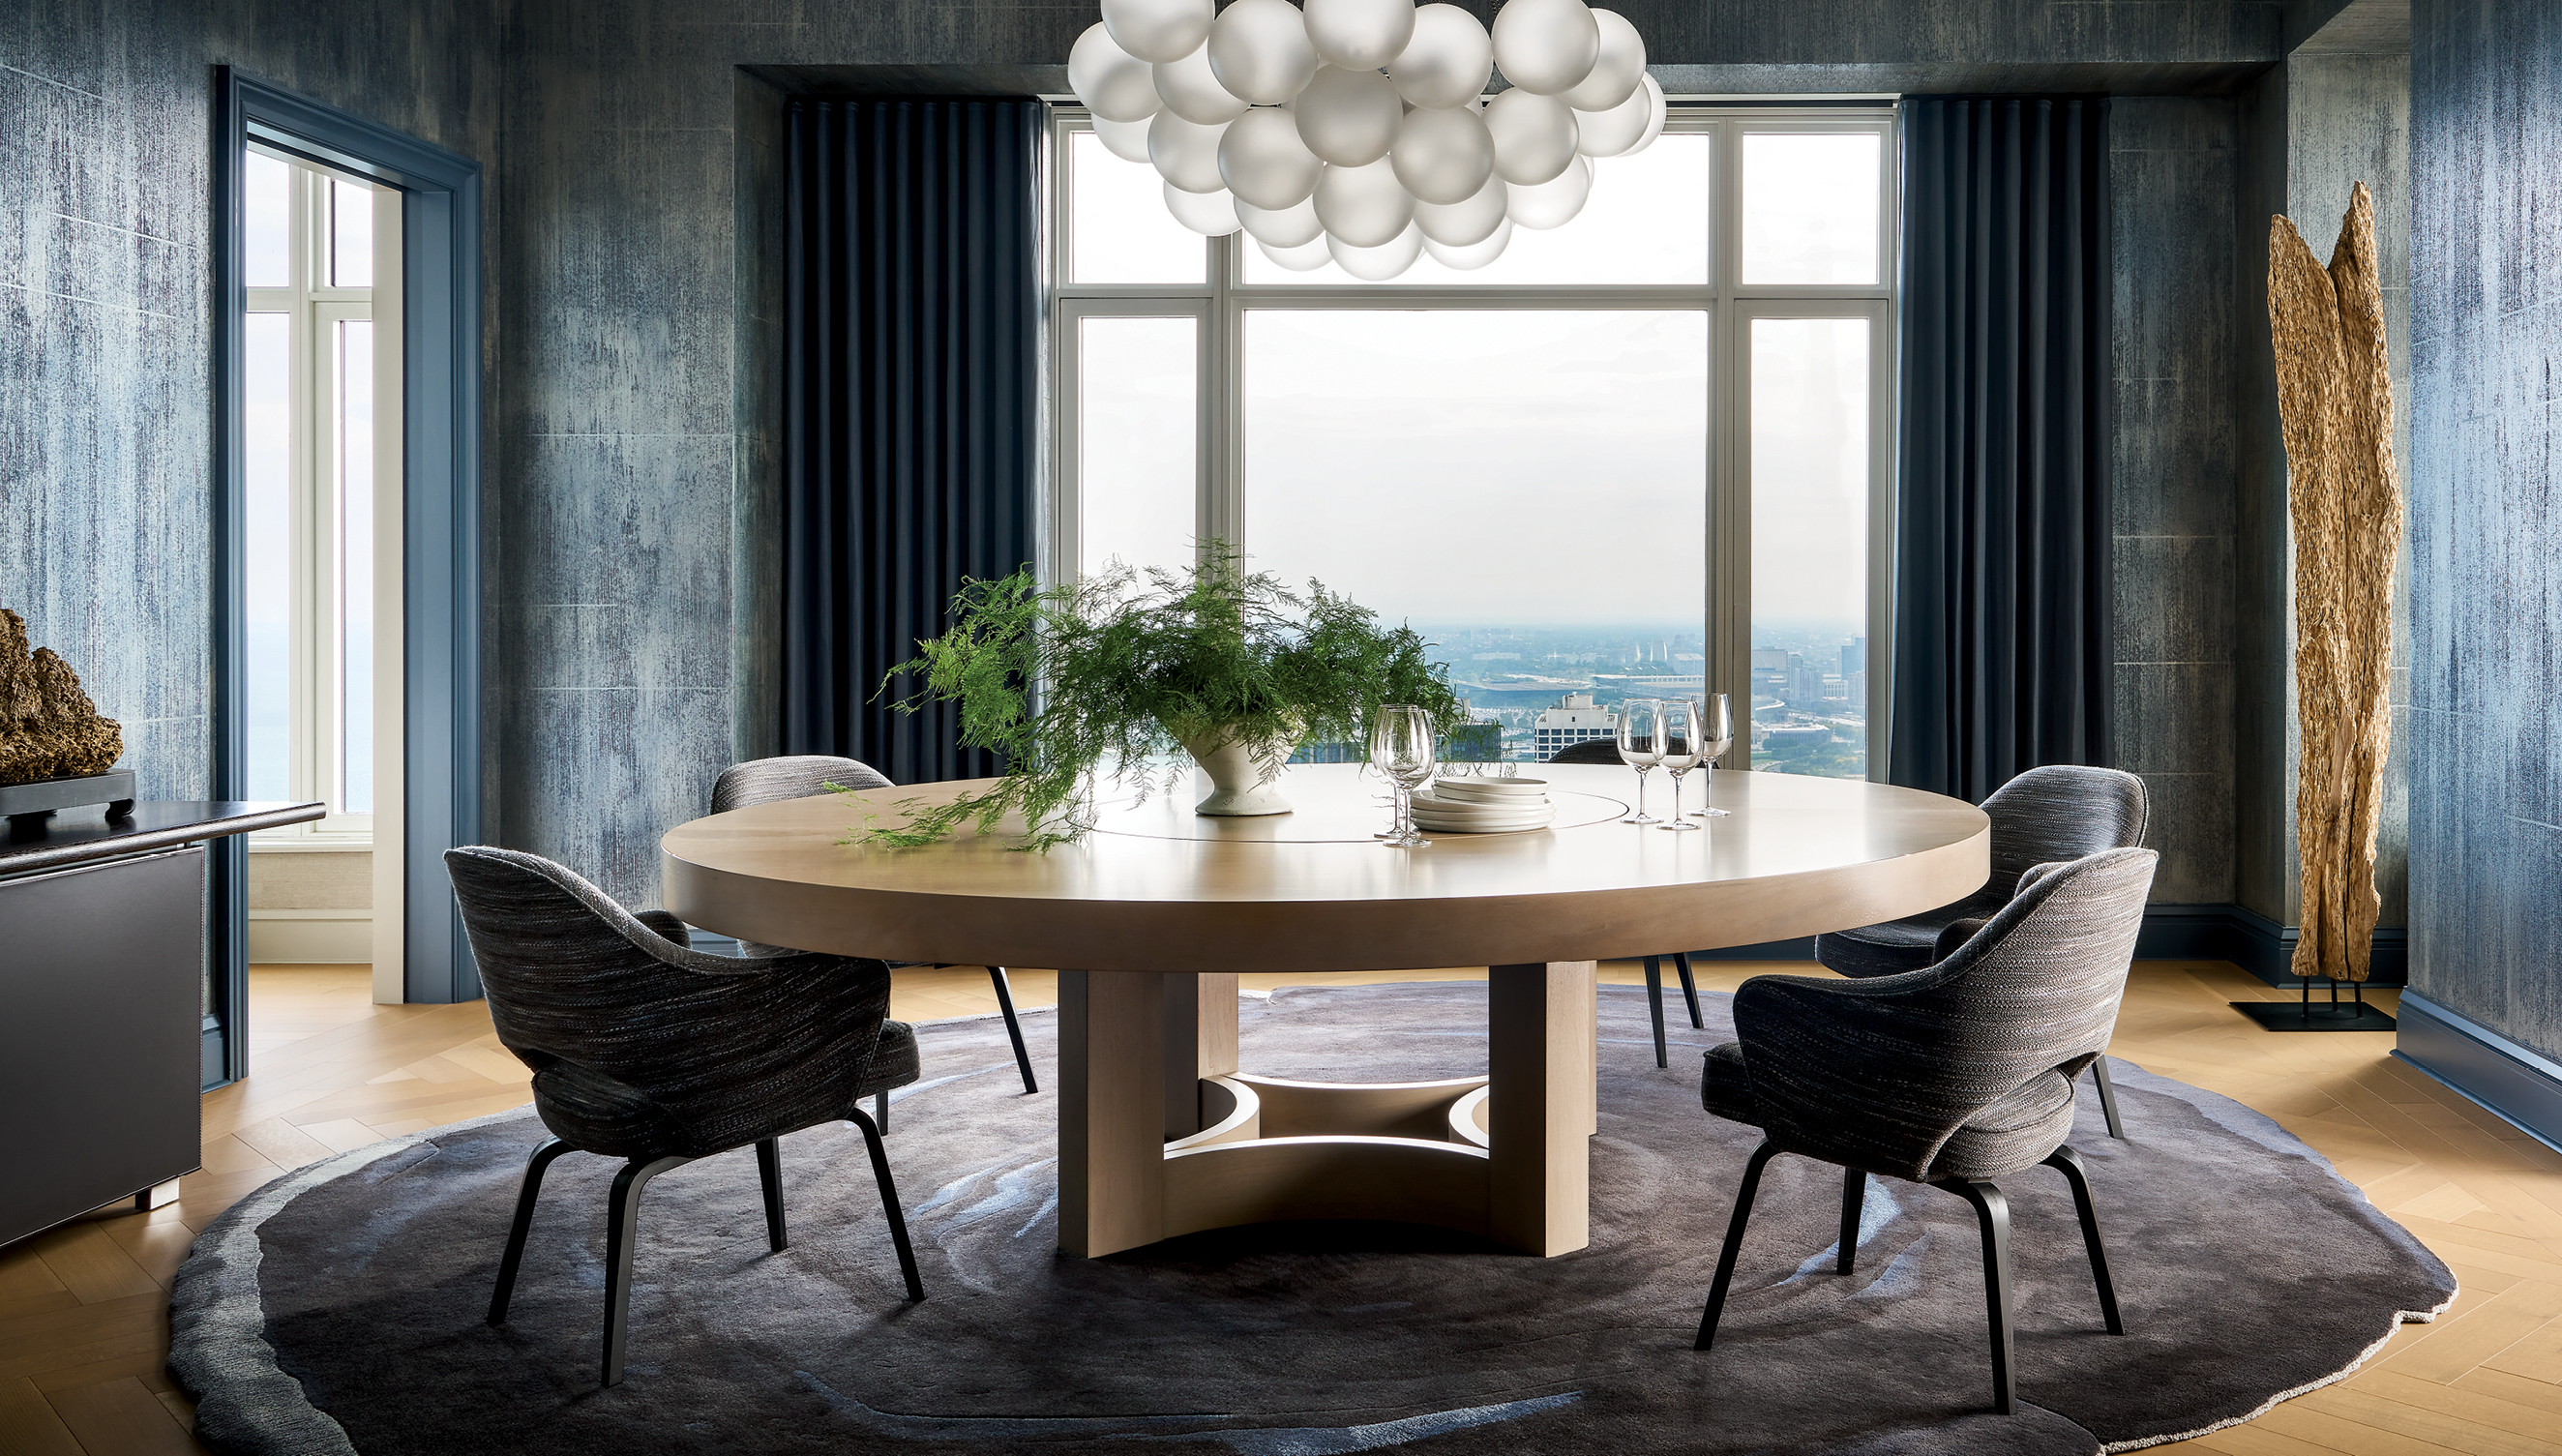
1880, 1076
797, 775
2058, 813
1589, 751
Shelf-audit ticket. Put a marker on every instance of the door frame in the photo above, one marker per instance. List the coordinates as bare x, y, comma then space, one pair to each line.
440, 518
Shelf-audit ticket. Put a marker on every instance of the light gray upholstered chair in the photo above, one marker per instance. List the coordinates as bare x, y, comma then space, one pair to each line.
1953, 1076
2049, 814
1606, 751
648, 1051
803, 776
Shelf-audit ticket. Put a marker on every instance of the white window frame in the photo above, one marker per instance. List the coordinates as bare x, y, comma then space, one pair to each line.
1220, 300
314, 306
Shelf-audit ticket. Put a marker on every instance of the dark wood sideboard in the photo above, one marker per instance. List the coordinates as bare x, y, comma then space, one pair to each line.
101, 1002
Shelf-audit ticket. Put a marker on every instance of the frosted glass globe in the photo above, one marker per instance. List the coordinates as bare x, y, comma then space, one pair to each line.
1462, 223
1363, 207
1447, 61
1158, 29
1349, 118
1289, 227
1210, 214
1377, 264
1185, 154
1615, 74
1553, 203
1259, 51
1127, 141
1546, 46
1475, 255
1111, 82
1361, 35
1654, 117
1443, 156
1307, 257
1533, 134
1264, 161
1608, 134
1192, 89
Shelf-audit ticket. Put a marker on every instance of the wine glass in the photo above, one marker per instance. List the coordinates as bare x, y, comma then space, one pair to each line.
1641, 746
1401, 748
1716, 735
1683, 751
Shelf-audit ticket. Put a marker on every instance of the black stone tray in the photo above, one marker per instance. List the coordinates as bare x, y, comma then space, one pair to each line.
28, 805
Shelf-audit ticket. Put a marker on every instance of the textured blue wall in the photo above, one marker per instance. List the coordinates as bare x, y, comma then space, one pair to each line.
106, 402
2486, 512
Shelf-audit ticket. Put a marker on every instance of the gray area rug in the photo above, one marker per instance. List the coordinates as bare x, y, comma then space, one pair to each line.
339, 1309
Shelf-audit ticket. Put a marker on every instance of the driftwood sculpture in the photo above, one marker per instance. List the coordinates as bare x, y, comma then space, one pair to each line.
49, 729
2336, 395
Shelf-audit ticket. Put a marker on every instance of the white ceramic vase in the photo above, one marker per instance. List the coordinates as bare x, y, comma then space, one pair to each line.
1243, 782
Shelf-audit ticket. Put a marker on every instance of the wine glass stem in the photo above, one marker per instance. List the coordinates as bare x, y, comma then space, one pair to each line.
1677, 778
1641, 794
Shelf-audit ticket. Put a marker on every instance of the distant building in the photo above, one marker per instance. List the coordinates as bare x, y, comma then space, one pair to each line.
1854, 657
1574, 719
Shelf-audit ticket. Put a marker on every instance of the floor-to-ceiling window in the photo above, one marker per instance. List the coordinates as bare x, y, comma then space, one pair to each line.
1639, 455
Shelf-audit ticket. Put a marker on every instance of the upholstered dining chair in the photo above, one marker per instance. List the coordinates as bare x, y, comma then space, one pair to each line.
1953, 1076
657, 1054
1604, 751
2045, 815
804, 775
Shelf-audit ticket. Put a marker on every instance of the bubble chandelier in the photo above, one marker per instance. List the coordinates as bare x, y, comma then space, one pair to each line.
1357, 132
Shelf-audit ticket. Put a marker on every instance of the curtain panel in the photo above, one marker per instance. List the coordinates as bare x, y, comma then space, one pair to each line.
911, 410
2003, 658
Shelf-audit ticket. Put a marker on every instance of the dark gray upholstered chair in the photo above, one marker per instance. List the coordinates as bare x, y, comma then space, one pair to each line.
2043, 817
1605, 751
645, 1050
801, 775
1952, 1075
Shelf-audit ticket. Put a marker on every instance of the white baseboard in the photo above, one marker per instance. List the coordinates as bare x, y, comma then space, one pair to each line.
311, 936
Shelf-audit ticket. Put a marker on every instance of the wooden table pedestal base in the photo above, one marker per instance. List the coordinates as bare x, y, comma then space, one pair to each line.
1159, 1135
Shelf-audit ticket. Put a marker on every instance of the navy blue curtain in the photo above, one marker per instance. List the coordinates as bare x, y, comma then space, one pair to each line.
910, 414
2002, 610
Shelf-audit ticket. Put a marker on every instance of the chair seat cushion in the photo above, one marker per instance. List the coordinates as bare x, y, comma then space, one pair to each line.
1896, 946
895, 1064
2014, 1132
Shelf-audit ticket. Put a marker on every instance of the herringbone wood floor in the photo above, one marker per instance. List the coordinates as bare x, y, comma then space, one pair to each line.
84, 1309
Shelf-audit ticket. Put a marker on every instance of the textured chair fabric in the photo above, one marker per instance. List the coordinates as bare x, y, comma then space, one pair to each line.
1962, 1069
2052, 814
801, 775
641, 1047
1952, 1075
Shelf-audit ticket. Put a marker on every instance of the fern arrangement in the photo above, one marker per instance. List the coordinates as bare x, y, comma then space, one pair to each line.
1114, 673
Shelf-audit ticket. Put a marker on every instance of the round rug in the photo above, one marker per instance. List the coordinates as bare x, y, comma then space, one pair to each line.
339, 1309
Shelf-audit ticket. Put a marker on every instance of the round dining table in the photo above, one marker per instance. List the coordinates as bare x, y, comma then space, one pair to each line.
1151, 916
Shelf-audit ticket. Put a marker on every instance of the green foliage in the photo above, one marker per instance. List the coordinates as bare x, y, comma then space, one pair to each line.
1108, 677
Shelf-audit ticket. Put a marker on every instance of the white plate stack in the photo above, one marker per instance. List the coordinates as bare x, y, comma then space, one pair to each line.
1484, 806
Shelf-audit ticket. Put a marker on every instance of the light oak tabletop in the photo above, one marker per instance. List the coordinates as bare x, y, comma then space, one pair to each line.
1158, 888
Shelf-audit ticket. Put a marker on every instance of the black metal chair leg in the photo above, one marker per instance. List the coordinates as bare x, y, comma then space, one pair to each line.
880, 1109
889, 1205
1761, 1157
1854, 1202
2069, 1162
1655, 1005
1992, 1218
622, 1218
1014, 1029
769, 1170
544, 1154
1690, 989
2107, 1096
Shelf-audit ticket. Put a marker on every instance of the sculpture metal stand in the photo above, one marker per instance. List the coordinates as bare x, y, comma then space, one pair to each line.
2335, 393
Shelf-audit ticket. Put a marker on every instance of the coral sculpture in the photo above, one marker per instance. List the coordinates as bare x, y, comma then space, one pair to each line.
49, 728
2336, 399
